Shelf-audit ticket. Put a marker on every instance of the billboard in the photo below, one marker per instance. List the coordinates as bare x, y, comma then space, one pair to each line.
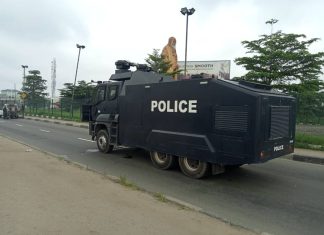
209, 69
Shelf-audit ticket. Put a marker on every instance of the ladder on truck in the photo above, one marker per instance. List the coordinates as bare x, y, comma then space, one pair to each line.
113, 129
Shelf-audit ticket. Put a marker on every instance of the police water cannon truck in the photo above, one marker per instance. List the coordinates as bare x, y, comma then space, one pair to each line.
203, 125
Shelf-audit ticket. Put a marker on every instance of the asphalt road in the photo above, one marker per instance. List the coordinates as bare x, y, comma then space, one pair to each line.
278, 197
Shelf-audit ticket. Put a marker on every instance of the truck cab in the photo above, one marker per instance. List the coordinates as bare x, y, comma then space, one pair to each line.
103, 111
105, 99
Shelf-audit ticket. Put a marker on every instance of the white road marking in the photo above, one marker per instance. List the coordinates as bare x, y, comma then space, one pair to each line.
44, 130
92, 150
18, 125
86, 140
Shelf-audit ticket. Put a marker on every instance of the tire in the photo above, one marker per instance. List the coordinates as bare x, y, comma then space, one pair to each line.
194, 168
163, 161
103, 143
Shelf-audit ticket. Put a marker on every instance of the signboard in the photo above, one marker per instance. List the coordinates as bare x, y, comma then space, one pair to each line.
23, 95
210, 69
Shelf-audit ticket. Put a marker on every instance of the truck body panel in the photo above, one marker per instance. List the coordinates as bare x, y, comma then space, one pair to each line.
229, 125
209, 120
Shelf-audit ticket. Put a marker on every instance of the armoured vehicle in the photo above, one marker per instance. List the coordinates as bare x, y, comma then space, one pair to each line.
204, 125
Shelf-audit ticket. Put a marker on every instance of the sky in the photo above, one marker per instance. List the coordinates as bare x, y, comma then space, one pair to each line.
34, 32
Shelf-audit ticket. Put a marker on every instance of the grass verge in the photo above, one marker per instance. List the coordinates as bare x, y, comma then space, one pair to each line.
160, 197
307, 141
123, 181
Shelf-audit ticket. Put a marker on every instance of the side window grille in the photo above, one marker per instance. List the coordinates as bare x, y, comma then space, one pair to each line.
279, 124
231, 118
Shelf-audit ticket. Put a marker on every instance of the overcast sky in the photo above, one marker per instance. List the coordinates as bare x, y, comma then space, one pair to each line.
33, 32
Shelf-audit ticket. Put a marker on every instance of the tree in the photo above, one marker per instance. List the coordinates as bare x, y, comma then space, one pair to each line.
82, 94
66, 92
158, 64
34, 87
283, 61
319, 112
82, 90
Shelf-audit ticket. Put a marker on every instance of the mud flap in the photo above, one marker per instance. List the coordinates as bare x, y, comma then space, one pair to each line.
217, 169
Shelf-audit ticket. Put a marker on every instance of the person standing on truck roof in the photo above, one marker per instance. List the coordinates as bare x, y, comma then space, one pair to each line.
170, 55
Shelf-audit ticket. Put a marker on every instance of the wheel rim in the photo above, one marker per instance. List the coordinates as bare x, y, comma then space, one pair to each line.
102, 142
160, 157
191, 164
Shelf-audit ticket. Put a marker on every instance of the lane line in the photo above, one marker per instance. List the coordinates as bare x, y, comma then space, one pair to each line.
86, 140
19, 125
44, 130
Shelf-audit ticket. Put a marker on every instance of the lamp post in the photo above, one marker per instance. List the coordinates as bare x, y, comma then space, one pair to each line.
76, 74
23, 86
24, 78
187, 12
272, 22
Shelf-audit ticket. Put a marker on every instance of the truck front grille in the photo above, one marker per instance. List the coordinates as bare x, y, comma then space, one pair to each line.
279, 125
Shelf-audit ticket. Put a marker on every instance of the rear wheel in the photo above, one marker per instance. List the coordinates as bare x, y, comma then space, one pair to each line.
194, 168
103, 142
162, 160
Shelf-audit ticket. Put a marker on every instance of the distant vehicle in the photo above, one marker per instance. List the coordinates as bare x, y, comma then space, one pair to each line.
1, 113
10, 111
203, 125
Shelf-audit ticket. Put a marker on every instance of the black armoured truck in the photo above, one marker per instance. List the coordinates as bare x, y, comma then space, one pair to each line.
204, 125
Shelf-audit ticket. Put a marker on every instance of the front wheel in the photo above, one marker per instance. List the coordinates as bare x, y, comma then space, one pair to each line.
194, 168
103, 142
162, 160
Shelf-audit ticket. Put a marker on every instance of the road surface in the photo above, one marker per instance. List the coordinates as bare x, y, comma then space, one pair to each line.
278, 197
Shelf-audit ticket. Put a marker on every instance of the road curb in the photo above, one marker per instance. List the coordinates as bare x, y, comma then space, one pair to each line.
54, 121
308, 159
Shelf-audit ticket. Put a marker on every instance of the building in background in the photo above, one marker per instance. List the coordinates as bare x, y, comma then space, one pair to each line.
208, 69
9, 94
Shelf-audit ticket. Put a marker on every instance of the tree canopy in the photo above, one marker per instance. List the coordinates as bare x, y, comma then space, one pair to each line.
82, 90
158, 64
34, 86
283, 61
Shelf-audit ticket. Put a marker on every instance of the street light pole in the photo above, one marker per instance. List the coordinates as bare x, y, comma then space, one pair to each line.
23, 86
185, 11
24, 78
272, 22
76, 74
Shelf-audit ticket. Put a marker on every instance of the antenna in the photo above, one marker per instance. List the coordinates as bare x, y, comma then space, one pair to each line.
53, 77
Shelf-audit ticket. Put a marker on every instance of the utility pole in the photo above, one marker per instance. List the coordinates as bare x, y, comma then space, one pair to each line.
185, 11
53, 82
23, 86
76, 74
24, 78
272, 22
